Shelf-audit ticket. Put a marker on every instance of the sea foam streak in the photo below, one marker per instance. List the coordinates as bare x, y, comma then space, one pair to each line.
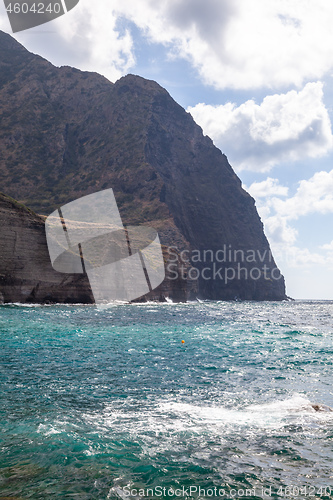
170, 418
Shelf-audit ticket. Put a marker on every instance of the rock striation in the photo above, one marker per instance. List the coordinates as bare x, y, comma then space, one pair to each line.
66, 133
26, 274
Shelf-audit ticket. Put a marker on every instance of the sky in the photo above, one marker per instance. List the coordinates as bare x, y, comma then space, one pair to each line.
256, 75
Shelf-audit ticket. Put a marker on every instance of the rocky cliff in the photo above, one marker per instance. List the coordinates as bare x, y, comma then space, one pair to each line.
26, 274
66, 133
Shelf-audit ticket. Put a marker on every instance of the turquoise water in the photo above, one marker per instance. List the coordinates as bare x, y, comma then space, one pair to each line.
105, 404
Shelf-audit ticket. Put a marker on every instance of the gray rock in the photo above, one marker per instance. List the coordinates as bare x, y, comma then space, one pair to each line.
26, 274
67, 133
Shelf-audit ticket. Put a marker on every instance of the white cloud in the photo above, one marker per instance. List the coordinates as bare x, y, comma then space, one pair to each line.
278, 230
293, 256
269, 187
242, 44
89, 37
328, 246
308, 271
93, 35
232, 43
4, 22
283, 127
313, 196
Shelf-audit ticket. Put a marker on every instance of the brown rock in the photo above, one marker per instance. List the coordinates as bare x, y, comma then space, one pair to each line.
26, 274
67, 133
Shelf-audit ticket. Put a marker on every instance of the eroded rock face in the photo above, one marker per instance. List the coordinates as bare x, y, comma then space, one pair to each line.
67, 133
26, 274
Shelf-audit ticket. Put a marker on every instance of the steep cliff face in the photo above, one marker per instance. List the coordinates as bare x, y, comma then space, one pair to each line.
26, 274
66, 133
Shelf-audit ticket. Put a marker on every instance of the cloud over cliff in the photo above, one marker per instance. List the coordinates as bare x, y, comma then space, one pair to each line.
284, 127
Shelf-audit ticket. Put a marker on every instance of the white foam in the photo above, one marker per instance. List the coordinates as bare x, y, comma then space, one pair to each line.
295, 403
171, 424
18, 304
48, 430
295, 409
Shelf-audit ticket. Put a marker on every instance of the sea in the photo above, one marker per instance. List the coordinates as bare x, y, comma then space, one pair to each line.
179, 401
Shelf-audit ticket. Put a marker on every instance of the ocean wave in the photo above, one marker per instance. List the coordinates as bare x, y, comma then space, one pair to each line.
170, 418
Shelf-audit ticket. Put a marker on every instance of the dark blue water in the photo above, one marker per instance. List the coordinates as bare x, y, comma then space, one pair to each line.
107, 404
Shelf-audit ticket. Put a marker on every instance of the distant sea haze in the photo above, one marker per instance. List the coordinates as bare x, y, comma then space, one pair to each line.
212, 397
